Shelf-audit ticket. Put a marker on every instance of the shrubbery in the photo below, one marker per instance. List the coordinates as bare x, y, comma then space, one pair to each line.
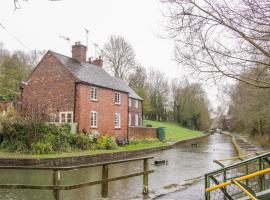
106, 142
144, 141
29, 136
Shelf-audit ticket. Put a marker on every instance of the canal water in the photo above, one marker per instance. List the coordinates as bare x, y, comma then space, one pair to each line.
184, 162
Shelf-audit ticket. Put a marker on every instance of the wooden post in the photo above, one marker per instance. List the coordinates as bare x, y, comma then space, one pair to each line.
104, 186
145, 176
207, 185
56, 183
261, 177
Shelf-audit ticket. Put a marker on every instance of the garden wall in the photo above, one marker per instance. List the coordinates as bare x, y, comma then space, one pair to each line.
142, 132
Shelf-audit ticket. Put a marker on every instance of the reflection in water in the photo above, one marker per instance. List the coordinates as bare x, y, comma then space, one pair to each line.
184, 162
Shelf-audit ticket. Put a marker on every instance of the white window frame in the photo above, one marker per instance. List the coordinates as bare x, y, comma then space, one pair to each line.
94, 93
94, 114
117, 125
129, 102
117, 98
129, 119
66, 117
136, 120
52, 117
136, 104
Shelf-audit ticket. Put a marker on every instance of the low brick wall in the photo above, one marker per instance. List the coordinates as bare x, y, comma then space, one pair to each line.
142, 132
83, 159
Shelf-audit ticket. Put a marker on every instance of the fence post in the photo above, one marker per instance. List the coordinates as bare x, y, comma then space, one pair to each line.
261, 177
104, 186
207, 185
247, 172
224, 180
145, 176
56, 183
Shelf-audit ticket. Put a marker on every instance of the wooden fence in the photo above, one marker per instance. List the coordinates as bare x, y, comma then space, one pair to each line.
56, 187
142, 132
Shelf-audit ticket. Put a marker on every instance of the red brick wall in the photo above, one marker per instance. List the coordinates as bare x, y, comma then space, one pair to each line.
137, 133
106, 108
133, 111
50, 85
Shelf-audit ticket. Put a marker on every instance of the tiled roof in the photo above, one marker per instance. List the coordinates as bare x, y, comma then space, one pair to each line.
92, 74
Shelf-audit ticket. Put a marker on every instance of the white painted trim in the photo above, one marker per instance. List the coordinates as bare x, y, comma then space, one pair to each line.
96, 90
96, 119
66, 113
119, 120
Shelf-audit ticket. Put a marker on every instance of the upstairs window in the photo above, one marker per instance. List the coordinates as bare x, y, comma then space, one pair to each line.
94, 119
136, 103
66, 117
117, 98
117, 120
94, 93
129, 102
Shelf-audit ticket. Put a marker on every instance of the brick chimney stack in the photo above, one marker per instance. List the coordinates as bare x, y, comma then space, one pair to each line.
97, 61
79, 52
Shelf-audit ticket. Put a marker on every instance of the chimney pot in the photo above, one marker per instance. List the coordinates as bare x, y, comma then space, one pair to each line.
98, 61
90, 60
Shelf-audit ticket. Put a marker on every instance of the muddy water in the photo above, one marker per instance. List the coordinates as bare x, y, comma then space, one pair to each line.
184, 162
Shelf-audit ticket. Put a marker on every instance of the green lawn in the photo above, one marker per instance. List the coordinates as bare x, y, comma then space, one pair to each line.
174, 132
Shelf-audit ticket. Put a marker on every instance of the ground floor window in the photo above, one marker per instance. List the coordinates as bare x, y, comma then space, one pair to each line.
117, 120
136, 120
129, 119
52, 117
94, 119
140, 121
66, 117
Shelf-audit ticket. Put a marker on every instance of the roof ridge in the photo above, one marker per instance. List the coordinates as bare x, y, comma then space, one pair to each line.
93, 74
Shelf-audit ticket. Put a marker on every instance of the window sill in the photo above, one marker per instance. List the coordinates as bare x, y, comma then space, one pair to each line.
118, 104
95, 100
118, 128
93, 127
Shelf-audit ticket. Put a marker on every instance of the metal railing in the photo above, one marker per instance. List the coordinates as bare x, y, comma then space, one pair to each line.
230, 174
56, 187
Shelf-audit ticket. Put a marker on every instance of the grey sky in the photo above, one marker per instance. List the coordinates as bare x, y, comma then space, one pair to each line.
39, 23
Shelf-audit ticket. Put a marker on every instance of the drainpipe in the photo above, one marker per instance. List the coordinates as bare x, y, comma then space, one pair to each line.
142, 111
127, 121
74, 108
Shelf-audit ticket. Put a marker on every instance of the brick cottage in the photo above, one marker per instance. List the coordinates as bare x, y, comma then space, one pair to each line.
78, 91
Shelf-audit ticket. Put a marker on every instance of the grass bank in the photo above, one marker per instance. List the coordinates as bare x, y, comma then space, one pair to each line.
174, 133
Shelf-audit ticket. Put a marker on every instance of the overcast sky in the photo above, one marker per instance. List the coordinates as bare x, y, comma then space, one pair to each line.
39, 23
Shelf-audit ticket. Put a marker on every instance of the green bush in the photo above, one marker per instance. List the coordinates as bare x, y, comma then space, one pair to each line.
106, 142
41, 148
143, 141
29, 136
83, 142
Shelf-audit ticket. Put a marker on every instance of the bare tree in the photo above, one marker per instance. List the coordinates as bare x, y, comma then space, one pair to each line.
119, 57
158, 91
221, 39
